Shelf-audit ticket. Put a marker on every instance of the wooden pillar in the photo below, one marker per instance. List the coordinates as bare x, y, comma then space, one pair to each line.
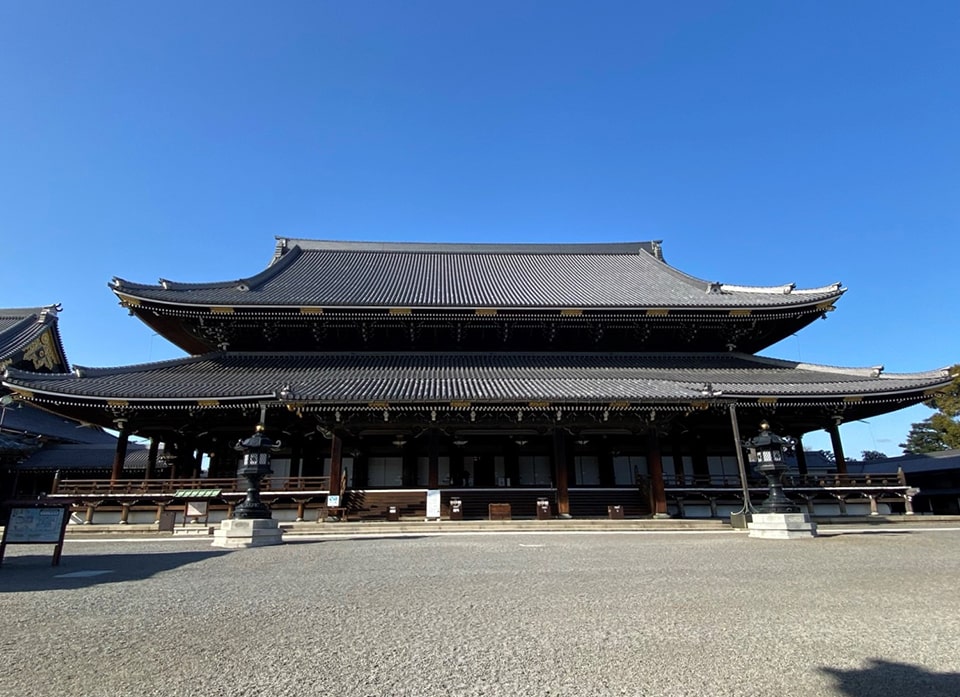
336, 464
605, 464
119, 456
433, 446
837, 444
152, 453
801, 457
658, 495
296, 458
741, 463
511, 462
561, 473
701, 469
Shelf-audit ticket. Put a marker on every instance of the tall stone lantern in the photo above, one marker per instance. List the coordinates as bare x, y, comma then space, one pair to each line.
255, 465
778, 517
766, 451
252, 524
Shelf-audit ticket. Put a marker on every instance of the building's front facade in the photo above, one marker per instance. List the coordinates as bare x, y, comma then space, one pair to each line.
589, 375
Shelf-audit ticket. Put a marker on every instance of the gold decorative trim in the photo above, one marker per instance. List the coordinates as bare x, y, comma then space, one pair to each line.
741, 312
571, 312
22, 393
118, 403
400, 311
621, 404
42, 352
217, 310
826, 306
460, 404
485, 311
379, 405
128, 301
658, 312
539, 405
311, 310
208, 402
767, 400
853, 398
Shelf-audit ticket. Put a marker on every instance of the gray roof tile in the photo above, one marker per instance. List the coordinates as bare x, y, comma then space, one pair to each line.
365, 274
407, 377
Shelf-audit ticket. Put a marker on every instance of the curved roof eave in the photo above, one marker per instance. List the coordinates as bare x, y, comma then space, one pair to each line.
668, 283
359, 377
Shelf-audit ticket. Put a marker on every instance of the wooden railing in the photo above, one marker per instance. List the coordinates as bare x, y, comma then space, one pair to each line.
791, 481
106, 487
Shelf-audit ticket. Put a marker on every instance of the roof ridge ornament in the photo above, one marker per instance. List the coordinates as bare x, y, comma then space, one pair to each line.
656, 248
49, 311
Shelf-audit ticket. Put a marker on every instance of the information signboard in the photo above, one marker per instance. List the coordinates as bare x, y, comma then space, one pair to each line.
35, 524
433, 503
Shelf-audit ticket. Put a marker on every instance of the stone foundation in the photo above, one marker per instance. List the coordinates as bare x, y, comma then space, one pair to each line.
241, 532
782, 526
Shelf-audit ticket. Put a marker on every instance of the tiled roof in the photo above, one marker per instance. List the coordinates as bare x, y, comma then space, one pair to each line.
423, 275
410, 378
26, 419
20, 326
84, 457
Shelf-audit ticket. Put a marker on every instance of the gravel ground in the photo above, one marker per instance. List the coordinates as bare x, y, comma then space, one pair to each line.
858, 615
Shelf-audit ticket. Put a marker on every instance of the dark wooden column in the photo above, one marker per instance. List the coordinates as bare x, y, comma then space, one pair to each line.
511, 462
152, 454
433, 452
701, 469
336, 464
561, 472
605, 464
119, 455
296, 457
801, 456
658, 495
676, 454
841, 461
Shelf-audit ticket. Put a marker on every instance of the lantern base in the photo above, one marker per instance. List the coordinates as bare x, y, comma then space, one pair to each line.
782, 526
238, 533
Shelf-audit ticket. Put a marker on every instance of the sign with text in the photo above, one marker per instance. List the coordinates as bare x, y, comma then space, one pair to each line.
36, 524
433, 503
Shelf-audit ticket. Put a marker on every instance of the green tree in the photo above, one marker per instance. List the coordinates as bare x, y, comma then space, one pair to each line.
942, 430
872, 455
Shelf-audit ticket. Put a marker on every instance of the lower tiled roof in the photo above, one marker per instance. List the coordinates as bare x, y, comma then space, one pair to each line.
475, 377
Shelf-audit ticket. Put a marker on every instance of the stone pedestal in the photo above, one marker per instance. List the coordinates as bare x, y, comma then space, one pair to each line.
247, 532
782, 526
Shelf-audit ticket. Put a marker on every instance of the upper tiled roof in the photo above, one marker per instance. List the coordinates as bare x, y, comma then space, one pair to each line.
19, 327
409, 377
424, 275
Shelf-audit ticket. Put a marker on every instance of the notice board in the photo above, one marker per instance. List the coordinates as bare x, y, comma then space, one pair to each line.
36, 524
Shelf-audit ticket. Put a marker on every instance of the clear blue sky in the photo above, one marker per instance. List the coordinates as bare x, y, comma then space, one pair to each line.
764, 142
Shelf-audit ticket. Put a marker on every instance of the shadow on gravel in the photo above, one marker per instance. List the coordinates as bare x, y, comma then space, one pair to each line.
843, 533
889, 679
349, 538
31, 572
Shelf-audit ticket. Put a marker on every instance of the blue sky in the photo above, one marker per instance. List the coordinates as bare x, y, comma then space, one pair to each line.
763, 142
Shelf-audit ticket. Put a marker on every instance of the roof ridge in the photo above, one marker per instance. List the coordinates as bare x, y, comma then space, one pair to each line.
287, 244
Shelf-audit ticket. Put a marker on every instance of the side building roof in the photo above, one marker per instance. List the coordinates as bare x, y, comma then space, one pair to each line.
30, 338
333, 274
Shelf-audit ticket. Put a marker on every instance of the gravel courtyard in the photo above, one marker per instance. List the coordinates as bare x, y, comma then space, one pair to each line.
873, 614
